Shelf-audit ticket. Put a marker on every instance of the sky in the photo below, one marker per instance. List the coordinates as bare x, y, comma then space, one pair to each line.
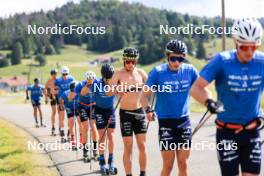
209, 8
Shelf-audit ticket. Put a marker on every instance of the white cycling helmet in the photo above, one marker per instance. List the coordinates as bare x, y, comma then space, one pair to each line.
248, 30
90, 75
65, 70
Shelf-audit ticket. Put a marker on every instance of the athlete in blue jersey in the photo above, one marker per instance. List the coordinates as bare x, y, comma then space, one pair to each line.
70, 102
172, 82
105, 117
36, 93
62, 84
239, 81
86, 108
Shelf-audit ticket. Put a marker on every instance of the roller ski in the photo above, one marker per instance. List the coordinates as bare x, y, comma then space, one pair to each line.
112, 169
86, 159
95, 155
104, 170
42, 125
53, 131
63, 140
37, 125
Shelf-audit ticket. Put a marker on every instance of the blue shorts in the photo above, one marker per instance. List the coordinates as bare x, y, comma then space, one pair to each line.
35, 102
86, 112
70, 112
175, 134
242, 149
102, 117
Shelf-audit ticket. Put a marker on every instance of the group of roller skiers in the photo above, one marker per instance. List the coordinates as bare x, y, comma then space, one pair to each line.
239, 81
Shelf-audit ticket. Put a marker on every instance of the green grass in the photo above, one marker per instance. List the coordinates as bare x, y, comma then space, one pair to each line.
5, 52
15, 159
77, 59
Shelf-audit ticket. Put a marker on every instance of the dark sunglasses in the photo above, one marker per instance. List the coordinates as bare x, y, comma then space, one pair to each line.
130, 62
174, 59
65, 74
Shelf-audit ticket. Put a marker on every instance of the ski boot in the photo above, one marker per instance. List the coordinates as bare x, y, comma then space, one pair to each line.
37, 125
104, 170
63, 140
95, 155
112, 169
86, 157
53, 131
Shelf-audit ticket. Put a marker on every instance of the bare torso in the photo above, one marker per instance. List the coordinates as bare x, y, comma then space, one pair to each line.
131, 100
50, 84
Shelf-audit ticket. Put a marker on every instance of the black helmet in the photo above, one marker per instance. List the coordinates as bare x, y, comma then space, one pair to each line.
53, 71
36, 80
72, 86
130, 54
177, 47
107, 71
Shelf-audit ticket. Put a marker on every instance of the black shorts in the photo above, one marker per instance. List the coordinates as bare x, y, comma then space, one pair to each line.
86, 112
102, 117
35, 103
175, 134
236, 150
54, 100
71, 112
131, 123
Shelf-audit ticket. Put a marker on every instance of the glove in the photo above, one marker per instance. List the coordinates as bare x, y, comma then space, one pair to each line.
27, 97
215, 107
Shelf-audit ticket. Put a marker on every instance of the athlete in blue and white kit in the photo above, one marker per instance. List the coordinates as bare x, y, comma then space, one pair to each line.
239, 82
36, 93
86, 108
105, 115
70, 101
62, 84
173, 81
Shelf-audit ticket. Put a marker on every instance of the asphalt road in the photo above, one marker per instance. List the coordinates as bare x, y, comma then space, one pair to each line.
202, 161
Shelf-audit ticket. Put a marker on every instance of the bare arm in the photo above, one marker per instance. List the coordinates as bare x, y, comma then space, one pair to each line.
199, 91
144, 96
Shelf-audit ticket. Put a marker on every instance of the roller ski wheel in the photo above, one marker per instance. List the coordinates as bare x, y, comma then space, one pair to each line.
86, 159
104, 170
37, 125
112, 170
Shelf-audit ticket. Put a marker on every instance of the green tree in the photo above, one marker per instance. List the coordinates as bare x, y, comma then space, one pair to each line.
201, 53
41, 59
49, 49
17, 53
4, 62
